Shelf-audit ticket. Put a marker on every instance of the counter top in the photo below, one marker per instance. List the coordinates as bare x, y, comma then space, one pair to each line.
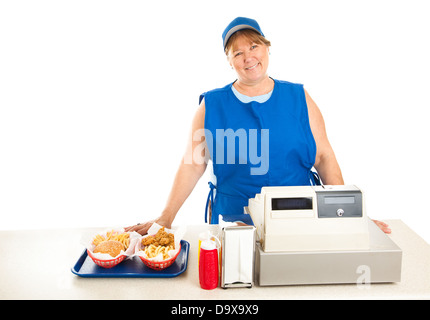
37, 264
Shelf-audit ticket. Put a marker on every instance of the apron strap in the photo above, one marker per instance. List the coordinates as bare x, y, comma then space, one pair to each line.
209, 200
315, 178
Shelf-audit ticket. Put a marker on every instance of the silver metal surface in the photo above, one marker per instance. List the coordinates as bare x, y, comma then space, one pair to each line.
381, 263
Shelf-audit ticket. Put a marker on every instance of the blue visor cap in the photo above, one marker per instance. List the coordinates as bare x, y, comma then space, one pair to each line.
237, 24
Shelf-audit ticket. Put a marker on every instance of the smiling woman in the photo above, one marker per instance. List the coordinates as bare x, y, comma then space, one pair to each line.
248, 54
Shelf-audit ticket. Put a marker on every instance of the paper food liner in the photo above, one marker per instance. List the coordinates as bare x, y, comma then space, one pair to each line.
179, 234
134, 238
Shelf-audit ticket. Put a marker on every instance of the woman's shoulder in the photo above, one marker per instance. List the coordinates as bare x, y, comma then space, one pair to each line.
216, 91
290, 88
288, 83
221, 89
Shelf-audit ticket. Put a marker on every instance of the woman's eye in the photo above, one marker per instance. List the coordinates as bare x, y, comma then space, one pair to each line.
253, 47
237, 54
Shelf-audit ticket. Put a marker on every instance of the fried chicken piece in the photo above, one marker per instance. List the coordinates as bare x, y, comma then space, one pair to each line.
168, 240
161, 238
148, 241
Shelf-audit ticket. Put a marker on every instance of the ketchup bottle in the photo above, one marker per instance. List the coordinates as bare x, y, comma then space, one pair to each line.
208, 265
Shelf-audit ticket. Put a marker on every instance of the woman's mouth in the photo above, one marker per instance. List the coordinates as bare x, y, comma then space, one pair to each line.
252, 67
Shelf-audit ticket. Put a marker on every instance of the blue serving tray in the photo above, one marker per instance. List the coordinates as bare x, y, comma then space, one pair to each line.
131, 268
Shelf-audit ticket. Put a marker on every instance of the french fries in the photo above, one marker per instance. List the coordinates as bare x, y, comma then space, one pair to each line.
152, 251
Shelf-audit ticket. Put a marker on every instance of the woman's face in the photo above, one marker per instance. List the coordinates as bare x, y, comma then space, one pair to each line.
250, 60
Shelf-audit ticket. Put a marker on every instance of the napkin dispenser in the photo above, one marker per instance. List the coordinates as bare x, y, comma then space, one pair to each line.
238, 251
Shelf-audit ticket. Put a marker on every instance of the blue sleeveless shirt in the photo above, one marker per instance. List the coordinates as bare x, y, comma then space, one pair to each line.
254, 144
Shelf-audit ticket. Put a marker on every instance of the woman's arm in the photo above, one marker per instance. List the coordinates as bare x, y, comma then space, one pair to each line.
325, 161
189, 172
187, 176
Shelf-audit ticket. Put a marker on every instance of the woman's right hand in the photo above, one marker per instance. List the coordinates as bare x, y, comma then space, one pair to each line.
142, 228
382, 225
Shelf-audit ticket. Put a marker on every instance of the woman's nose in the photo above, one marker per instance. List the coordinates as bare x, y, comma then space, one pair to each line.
247, 55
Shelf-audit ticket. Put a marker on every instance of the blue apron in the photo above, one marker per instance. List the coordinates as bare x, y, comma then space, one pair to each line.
254, 144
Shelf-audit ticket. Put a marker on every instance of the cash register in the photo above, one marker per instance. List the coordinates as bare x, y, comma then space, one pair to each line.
319, 235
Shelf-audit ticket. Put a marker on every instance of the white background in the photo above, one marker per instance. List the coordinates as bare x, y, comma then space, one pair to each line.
97, 97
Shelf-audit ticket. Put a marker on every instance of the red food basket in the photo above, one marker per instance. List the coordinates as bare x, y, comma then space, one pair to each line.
160, 265
106, 263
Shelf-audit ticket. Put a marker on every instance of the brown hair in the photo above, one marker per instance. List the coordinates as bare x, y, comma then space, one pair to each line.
249, 34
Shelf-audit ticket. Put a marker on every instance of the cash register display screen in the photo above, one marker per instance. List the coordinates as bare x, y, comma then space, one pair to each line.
291, 203
339, 200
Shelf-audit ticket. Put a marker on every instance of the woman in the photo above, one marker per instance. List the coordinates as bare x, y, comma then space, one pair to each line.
258, 131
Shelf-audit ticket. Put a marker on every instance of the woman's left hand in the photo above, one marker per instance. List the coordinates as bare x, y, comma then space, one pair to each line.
382, 225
